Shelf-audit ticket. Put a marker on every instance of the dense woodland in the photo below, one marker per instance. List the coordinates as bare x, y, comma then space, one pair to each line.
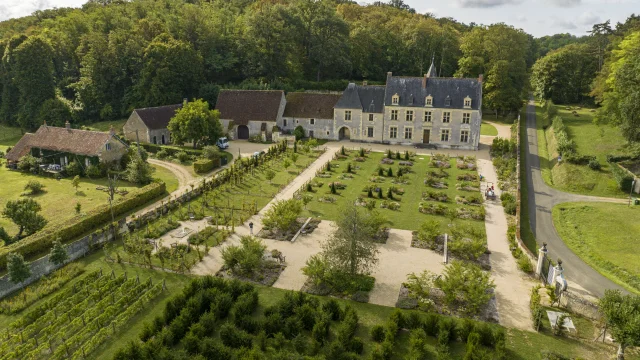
101, 61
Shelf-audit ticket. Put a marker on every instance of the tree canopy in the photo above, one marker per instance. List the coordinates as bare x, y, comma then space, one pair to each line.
24, 213
195, 122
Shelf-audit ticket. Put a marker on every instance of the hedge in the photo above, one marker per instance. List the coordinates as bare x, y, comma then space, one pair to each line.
205, 165
623, 177
70, 229
171, 150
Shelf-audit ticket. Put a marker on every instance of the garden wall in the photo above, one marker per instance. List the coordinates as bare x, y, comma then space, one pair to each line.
521, 244
75, 250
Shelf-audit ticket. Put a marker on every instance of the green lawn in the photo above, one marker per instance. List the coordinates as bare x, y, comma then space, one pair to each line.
60, 197
605, 236
408, 217
167, 176
590, 139
501, 119
9, 136
106, 125
488, 129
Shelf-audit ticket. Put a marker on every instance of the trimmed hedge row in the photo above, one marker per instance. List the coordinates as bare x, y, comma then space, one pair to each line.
153, 148
69, 229
205, 165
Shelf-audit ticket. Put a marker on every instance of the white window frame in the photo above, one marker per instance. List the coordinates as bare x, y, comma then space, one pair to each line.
446, 117
467, 102
371, 133
464, 133
394, 115
428, 116
466, 118
410, 133
393, 132
444, 132
312, 121
347, 115
409, 115
395, 99
429, 101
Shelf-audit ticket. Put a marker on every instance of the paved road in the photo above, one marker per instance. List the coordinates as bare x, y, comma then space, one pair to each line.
542, 198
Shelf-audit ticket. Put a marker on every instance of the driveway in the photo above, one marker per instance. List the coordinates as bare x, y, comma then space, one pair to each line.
245, 148
542, 198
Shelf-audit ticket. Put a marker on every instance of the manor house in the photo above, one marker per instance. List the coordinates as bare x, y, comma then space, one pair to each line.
427, 111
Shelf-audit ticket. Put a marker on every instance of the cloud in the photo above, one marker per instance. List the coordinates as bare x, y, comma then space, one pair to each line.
565, 3
588, 18
563, 24
521, 18
485, 3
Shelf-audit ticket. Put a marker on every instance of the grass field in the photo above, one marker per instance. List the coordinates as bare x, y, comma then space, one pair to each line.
106, 125
167, 176
407, 217
605, 236
521, 345
9, 136
590, 139
488, 129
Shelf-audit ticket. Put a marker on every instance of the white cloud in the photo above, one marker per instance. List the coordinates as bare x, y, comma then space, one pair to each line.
521, 18
565, 3
485, 3
588, 18
564, 24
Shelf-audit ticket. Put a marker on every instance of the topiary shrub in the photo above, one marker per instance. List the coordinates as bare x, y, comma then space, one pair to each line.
377, 333
594, 165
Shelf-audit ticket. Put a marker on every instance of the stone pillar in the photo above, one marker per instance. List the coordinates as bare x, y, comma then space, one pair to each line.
542, 252
558, 275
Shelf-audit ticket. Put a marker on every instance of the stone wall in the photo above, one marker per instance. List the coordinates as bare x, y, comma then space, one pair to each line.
135, 123
77, 249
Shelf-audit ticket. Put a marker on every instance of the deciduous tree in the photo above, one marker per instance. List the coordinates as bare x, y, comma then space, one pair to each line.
195, 122
58, 255
24, 213
622, 316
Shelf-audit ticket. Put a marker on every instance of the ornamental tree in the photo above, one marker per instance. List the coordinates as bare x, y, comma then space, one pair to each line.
24, 213
197, 123
282, 215
622, 316
18, 269
58, 255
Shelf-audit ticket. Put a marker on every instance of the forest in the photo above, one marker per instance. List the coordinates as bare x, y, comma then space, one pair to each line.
101, 61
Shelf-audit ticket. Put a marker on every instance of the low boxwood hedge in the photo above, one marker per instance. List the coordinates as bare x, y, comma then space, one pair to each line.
205, 165
171, 150
68, 230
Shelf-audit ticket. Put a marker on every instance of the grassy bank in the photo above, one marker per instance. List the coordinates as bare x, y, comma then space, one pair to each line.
605, 236
488, 129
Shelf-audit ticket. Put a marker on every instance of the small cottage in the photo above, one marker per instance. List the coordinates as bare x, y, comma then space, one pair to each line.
247, 113
63, 145
150, 125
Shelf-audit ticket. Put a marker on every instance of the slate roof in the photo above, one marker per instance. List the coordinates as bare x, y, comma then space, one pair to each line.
310, 105
156, 118
367, 97
411, 88
80, 142
21, 149
243, 106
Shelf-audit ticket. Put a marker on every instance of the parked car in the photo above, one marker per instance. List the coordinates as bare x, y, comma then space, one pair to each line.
223, 143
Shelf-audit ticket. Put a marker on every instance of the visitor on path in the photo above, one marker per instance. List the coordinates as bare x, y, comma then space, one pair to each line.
251, 228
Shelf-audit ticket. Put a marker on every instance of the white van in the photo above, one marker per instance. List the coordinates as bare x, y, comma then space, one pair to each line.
223, 143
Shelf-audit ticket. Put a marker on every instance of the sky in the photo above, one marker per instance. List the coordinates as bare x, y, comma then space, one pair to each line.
537, 17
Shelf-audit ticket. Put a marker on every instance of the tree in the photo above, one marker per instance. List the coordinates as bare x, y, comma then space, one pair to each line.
138, 171
78, 207
621, 96
246, 258
58, 255
18, 269
286, 163
33, 78
419, 286
306, 199
269, 175
298, 132
622, 316
466, 283
54, 112
351, 249
24, 213
282, 215
195, 122
76, 182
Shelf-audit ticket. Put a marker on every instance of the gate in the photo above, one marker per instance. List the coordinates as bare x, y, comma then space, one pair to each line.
546, 269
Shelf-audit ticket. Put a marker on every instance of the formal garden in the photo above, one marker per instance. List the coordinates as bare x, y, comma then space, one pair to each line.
406, 189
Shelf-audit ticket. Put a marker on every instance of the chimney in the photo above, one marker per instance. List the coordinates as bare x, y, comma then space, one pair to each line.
185, 101
480, 78
112, 131
67, 125
389, 74
45, 123
364, 82
424, 81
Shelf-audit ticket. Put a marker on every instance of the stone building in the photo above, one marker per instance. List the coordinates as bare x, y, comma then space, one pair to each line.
312, 111
423, 111
248, 113
63, 145
150, 124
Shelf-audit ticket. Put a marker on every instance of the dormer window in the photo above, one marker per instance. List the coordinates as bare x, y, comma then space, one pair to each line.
447, 101
467, 102
429, 101
395, 100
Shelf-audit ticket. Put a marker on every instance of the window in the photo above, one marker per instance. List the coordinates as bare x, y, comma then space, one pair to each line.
327, 133
467, 102
155, 140
370, 117
464, 136
312, 121
466, 118
446, 117
408, 133
394, 114
370, 132
347, 115
393, 132
87, 163
447, 101
429, 101
444, 135
409, 116
284, 123
395, 100
427, 116
311, 133
108, 147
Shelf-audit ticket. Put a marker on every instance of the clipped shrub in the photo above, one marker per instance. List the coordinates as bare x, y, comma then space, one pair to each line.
377, 333
594, 164
204, 165
234, 337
